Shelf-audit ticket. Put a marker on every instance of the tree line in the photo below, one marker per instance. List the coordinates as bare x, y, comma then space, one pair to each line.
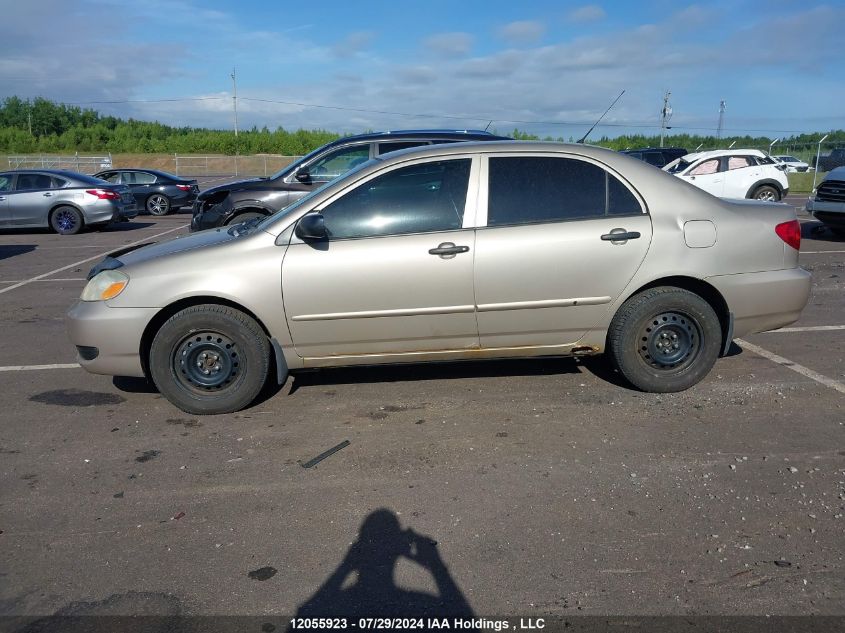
43, 126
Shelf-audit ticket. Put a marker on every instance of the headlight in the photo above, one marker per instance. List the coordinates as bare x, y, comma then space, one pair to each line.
106, 285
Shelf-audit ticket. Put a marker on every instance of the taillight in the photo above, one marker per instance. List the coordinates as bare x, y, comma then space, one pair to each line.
790, 232
184, 187
104, 194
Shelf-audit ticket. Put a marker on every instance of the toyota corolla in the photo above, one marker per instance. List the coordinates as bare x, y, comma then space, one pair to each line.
460, 251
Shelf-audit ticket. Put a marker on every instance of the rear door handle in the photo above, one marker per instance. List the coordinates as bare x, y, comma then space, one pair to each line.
620, 236
448, 250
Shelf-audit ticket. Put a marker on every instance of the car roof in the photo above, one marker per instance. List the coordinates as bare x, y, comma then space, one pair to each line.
157, 172
53, 172
714, 153
394, 135
653, 149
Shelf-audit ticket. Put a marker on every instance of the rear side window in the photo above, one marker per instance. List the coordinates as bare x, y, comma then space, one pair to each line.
738, 162
58, 183
530, 190
28, 182
138, 178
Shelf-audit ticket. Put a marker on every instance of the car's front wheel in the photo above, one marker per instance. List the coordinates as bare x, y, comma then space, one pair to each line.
664, 339
766, 192
210, 359
158, 204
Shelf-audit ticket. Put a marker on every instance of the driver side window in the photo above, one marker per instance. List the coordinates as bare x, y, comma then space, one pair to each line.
421, 198
707, 167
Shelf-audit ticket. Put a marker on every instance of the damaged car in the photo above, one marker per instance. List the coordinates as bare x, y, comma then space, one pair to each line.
244, 200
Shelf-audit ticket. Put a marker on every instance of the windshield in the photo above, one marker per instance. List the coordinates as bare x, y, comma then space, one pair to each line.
296, 163
271, 219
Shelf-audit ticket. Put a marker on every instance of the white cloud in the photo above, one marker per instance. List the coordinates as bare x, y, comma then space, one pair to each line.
449, 44
587, 13
523, 32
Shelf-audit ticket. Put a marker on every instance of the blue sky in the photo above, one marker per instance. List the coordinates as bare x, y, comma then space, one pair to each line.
550, 68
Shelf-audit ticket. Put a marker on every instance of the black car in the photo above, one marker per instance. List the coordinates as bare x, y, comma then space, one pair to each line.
156, 191
247, 199
657, 156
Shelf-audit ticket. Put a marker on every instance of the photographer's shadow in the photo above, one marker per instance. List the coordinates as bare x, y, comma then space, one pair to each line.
363, 585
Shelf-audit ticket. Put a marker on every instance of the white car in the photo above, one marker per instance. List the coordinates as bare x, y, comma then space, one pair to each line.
733, 173
792, 164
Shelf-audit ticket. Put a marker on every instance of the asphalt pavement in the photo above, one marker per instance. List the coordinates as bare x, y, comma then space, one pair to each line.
506, 487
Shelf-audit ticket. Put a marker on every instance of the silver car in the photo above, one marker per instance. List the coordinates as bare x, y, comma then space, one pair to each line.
62, 200
461, 251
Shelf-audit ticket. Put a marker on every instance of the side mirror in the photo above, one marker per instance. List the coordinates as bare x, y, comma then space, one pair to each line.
302, 175
311, 227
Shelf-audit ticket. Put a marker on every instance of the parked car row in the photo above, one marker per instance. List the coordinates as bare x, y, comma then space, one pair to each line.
446, 252
66, 201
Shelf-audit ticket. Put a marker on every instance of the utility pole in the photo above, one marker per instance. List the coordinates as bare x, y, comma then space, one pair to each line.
29, 121
235, 99
665, 115
722, 107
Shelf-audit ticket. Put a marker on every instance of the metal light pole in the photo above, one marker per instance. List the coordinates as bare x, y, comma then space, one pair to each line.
772, 145
731, 145
818, 154
665, 115
235, 109
722, 107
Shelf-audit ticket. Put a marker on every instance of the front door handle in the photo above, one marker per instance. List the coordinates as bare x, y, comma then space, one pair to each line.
47, 194
447, 250
620, 235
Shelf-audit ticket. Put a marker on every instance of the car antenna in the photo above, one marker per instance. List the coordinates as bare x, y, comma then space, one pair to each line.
584, 138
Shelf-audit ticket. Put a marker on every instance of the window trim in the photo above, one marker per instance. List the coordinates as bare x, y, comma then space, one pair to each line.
484, 189
470, 209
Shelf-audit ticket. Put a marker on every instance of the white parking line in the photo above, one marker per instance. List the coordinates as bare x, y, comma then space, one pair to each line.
38, 367
89, 259
818, 252
780, 360
809, 328
17, 281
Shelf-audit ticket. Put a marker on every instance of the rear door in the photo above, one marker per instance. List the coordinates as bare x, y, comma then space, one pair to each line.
395, 274
741, 172
140, 184
546, 266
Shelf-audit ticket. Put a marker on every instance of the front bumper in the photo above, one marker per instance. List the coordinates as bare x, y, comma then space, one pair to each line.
831, 213
764, 301
114, 332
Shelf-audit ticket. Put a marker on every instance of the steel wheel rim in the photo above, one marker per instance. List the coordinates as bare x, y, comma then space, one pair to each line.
65, 220
206, 361
669, 341
157, 205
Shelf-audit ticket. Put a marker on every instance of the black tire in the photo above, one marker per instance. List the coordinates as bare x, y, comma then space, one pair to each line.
766, 192
158, 204
664, 339
243, 217
210, 359
66, 220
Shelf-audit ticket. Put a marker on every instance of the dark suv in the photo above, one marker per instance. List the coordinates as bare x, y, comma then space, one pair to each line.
247, 199
657, 156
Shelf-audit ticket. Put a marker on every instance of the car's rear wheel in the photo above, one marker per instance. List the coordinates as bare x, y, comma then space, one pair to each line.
210, 359
66, 221
766, 192
664, 339
158, 204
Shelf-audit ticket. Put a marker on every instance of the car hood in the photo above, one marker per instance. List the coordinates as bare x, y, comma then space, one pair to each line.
238, 185
201, 239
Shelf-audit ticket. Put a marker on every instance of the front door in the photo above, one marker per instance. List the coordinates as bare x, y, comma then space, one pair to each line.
707, 175
547, 265
395, 274
31, 199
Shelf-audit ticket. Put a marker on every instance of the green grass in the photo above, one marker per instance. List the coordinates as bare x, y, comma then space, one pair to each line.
803, 182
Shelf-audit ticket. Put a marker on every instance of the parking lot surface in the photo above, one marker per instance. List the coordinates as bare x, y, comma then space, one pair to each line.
548, 486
